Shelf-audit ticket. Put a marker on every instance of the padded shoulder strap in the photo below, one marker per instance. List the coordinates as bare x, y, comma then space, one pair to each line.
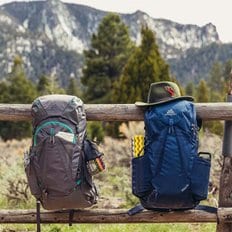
199, 122
160, 151
183, 153
136, 209
206, 208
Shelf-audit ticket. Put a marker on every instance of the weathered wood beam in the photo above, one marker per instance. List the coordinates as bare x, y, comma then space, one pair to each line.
225, 189
224, 220
15, 112
118, 112
224, 214
113, 216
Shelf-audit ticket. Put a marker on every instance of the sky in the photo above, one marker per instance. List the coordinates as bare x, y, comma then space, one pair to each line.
198, 12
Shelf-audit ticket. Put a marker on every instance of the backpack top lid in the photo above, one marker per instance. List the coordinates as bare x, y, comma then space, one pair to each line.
66, 106
162, 92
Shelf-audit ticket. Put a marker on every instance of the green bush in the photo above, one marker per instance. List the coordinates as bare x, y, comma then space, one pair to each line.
215, 127
95, 131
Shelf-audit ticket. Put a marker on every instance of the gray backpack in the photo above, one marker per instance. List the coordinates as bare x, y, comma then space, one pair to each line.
56, 165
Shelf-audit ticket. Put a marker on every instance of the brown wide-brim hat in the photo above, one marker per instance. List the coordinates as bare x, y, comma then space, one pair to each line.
162, 92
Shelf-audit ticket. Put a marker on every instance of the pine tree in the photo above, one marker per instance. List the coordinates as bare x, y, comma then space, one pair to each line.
49, 85
144, 67
18, 89
202, 92
3, 91
227, 70
104, 61
203, 95
190, 89
216, 82
73, 88
43, 85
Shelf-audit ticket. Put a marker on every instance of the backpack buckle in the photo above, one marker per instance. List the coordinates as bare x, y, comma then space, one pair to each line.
44, 194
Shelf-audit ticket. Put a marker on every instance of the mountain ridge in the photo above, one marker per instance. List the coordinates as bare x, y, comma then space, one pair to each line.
66, 28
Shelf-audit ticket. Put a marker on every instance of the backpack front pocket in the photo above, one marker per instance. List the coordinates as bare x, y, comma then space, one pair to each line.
55, 167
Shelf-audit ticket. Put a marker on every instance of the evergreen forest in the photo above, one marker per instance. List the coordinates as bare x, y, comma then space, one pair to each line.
115, 70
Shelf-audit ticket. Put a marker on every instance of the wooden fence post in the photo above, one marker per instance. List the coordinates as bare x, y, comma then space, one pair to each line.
225, 189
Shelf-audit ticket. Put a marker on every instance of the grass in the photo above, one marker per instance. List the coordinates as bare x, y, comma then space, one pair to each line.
114, 228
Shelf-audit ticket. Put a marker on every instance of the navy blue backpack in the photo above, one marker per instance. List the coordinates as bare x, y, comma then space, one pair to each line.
171, 174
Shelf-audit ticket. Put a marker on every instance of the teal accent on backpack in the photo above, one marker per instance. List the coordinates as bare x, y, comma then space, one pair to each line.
51, 123
78, 182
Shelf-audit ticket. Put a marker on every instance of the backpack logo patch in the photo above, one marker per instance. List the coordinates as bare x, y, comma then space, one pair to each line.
170, 112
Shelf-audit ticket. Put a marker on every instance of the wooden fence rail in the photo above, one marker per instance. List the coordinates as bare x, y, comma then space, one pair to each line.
118, 112
130, 112
222, 215
114, 216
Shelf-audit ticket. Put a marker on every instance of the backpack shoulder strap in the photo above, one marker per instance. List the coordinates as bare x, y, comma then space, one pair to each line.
206, 208
136, 209
186, 167
139, 208
160, 151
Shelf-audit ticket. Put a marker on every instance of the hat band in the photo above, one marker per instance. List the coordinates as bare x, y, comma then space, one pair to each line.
160, 100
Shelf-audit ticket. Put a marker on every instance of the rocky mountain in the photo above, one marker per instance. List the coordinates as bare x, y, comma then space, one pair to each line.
51, 36
195, 63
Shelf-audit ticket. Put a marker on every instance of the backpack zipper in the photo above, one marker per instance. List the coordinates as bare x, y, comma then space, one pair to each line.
51, 123
171, 127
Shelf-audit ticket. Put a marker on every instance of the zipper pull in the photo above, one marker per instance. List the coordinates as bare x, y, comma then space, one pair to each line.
52, 135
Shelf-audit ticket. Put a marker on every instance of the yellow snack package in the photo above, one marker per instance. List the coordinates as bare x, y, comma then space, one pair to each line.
138, 145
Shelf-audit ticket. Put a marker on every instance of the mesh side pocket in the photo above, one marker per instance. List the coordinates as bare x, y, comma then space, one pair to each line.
141, 176
31, 175
200, 178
